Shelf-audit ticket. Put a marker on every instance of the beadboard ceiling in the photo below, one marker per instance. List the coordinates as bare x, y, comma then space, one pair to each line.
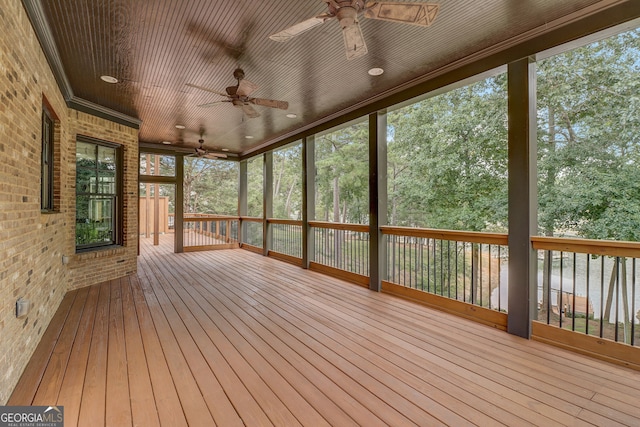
155, 47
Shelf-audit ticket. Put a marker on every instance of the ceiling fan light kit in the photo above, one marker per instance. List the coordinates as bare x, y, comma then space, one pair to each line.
346, 12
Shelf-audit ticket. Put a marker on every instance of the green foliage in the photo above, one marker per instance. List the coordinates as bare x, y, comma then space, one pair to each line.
447, 159
254, 187
589, 130
210, 186
342, 175
287, 182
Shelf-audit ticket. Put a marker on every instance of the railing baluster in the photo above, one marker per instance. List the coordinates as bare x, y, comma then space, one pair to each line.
573, 303
588, 275
633, 301
617, 290
601, 294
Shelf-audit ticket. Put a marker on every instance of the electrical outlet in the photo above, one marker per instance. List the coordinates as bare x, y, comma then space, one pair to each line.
22, 307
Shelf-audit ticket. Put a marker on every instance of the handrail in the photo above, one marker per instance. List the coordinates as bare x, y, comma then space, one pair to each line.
284, 221
587, 246
251, 218
339, 226
453, 235
207, 217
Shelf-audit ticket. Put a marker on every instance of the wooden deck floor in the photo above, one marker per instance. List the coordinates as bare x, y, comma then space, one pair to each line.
233, 338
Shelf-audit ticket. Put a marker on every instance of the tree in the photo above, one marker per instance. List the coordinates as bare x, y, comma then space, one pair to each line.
342, 183
589, 129
447, 160
210, 186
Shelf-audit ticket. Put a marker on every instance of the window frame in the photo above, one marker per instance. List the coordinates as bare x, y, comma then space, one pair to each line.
47, 161
117, 196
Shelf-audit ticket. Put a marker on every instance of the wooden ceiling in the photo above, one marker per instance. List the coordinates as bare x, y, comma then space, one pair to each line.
155, 47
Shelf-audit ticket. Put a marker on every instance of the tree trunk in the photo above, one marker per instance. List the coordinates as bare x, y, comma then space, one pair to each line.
548, 226
475, 276
612, 283
287, 205
337, 244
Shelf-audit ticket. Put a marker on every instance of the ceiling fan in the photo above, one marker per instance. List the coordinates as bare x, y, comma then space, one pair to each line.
346, 11
199, 150
238, 95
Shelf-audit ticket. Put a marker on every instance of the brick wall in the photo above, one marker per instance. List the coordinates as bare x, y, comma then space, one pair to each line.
97, 266
32, 243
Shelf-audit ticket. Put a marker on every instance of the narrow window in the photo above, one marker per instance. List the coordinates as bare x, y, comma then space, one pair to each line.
98, 188
46, 171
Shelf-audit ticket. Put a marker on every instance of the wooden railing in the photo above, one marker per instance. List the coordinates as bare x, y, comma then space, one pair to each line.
459, 271
341, 250
207, 232
590, 287
251, 232
286, 240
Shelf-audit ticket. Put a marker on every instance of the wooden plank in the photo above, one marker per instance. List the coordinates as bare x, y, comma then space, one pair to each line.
324, 316
284, 221
212, 306
57, 365
27, 386
118, 407
286, 258
354, 278
451, 235
193, 404
587, 246
71, 391
600, 348
92, 405
483, 315
251, 248
170, 410
143, 407
379, 382
297, 406
339, 226
277, 336
196, 359
484, 353
211, 247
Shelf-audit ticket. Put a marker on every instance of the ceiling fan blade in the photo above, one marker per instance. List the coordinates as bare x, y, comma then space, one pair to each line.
211, 104
250, 111
215, 156
300, 28
245, 87
354, 44
207, 89
422, 14
283, 105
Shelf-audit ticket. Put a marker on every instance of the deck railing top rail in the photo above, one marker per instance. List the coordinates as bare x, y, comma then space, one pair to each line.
339, 226
587, 246
251, 218
284, 221
452, 235
208, 217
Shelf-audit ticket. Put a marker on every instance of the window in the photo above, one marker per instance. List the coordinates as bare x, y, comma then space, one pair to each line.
46, 170
157, 164
98, 184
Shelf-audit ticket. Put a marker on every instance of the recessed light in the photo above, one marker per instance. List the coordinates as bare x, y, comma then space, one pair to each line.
292, 116
225, 149
109, 79
166, 142
375, 71
180, 127
249, 137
